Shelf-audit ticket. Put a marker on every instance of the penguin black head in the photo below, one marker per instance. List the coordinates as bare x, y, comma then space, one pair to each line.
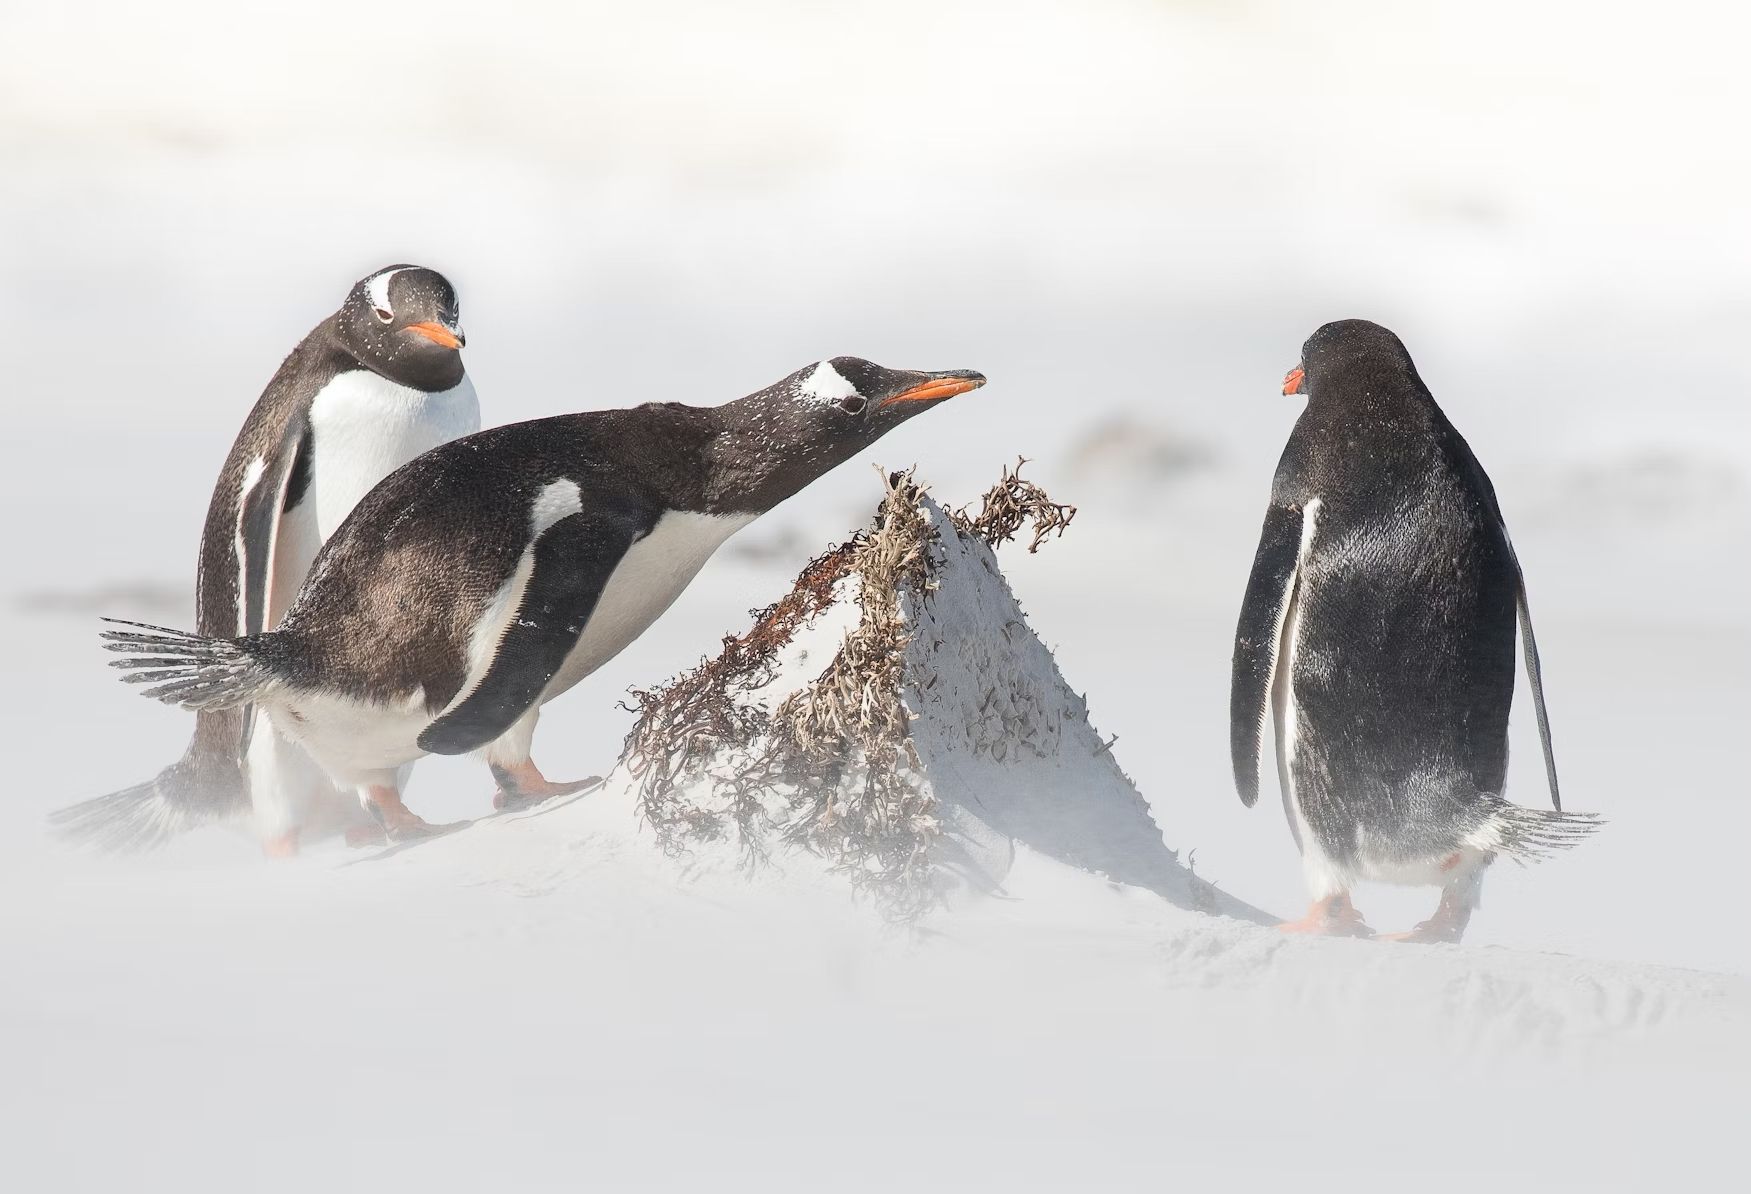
822, 415
841, 406
404, 322
1350, 349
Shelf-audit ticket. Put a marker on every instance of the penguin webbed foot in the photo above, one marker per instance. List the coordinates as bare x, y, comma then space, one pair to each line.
400, 823
281, 845
365, 837
1430, 932
523, 786
1447, 926
1333, 916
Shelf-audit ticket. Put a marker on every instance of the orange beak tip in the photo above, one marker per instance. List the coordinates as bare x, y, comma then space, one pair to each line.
936, 389
1292, 383
437, 333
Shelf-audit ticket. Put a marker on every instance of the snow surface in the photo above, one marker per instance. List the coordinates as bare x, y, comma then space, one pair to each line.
1115, 210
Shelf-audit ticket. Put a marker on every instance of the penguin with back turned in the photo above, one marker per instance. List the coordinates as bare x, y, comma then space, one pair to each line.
1377, 633
493, 573
372, 386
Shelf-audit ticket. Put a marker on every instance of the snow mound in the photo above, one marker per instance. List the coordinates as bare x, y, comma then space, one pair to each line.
896, 715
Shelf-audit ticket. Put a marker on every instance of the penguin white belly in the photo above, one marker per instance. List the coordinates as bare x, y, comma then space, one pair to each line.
355, 742
1437, 871
642, 586
366, 426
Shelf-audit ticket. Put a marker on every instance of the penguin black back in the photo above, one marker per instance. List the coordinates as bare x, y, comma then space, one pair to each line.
1405, 598
1378, 630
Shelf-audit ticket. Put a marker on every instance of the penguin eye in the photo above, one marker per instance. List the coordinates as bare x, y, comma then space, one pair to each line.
852, 404
384, 314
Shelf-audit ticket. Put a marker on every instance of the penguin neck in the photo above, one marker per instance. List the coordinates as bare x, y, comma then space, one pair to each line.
765, 449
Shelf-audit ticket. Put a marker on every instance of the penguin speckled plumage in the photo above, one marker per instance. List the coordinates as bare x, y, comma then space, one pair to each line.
372, 386
493, 573
1377, 632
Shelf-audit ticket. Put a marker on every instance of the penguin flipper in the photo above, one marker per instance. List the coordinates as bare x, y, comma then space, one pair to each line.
1257, 640
1529, 647
259, 511
573, 560
1523, 612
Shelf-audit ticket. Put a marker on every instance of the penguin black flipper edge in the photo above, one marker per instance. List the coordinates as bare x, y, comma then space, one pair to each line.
1270, 593
1529, 648
572, 561
1470, 464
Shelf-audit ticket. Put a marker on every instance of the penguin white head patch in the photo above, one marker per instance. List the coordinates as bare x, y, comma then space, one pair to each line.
826, 384
378, 290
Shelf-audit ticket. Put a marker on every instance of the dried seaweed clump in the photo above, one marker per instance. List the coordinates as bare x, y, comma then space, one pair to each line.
845, 740
1008, 505
832, 768
685, 724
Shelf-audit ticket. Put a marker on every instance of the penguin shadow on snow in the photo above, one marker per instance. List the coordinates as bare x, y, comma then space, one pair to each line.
525, 812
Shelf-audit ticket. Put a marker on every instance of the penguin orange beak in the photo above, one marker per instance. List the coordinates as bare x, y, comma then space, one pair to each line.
437, 333
937, 388
1292, 383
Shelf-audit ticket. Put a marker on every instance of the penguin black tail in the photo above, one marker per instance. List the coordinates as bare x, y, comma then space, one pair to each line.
143, 817
191, 670
205, 786
1529, 834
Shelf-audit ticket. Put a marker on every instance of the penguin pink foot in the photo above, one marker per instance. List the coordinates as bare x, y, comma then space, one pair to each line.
1333, 916
400, 823
363, 837
1446, 927
281, 845
522, 785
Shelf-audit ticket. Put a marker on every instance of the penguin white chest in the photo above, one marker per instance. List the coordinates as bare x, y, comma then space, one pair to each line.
364, 427
646, 582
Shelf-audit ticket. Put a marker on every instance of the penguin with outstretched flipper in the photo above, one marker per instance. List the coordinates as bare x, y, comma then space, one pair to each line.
493, 573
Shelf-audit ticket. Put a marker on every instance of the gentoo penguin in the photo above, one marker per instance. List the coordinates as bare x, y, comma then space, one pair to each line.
493, 573
372, 386
1378, 632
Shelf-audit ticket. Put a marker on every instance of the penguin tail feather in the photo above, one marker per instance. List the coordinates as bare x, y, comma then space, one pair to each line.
1531, 834
143, 817
204, 787
191, 670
